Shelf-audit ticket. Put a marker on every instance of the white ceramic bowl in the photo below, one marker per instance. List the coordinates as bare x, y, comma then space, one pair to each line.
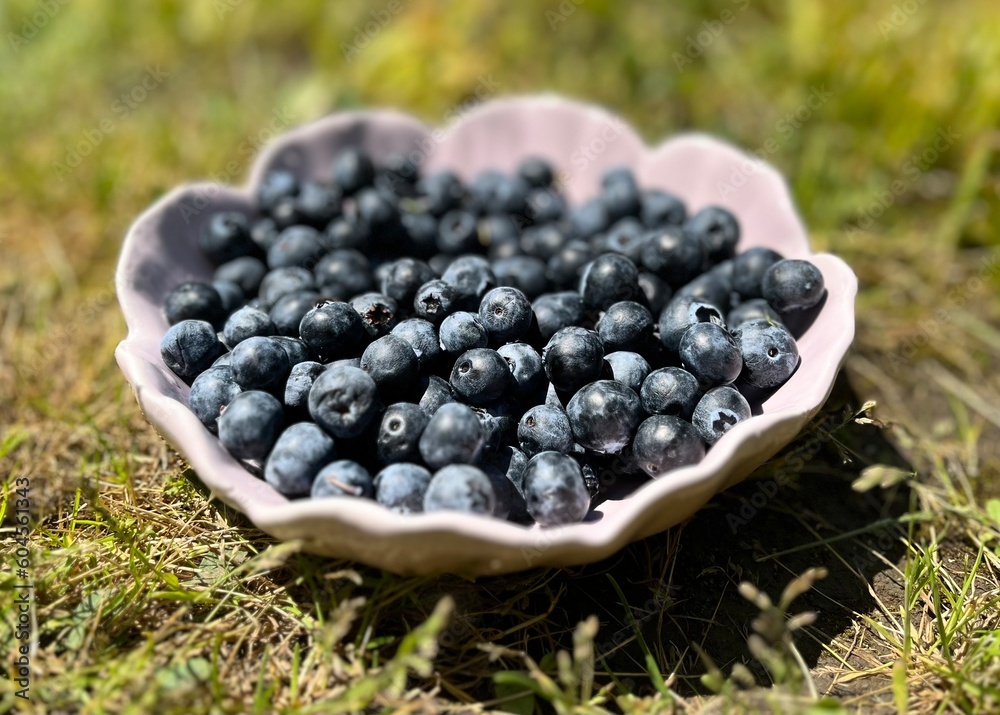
582, 141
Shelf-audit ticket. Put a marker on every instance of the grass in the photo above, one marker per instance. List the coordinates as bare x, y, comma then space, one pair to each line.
149, 597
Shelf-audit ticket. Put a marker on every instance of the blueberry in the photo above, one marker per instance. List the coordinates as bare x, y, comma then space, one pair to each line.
510, 196
247, 323
260, 363
471, 277
750, 310
232, 296
435, 300
674, 255
194, 301
296, 350
509, 461
680, 314
505, 313
709, 353
223, 359
588, 218
620, 195
537, 172
508, 501
283, 281
401, 487
711, 288
398, 172
718, 411
454, 435
344, 273
297, 457
246, 271
399, 433
655, 290
792, 284
421, 230
670, 391
343, 401
461, 487
542, 241
190, 347
276, 187
573, 357
343, 478
749, 268
462, 331
717, 229
770, 354
353, 170
210, 392
663, 443
499, 420
289, 310
545, 205
566, 266
379, 313
346, 233
332, 330
555, 311
226, 236
457, 233
296, 246
393, 366
380, 212
604, 416
250, 424
404, 277
608, 279
500, 234
441, 192
660, 209
525, 273
264, 234
316, 204
554, 490
436, 393
544, 428
480, 376
625, 326
628, 368
627, 237
300, 381
422, 337
526, 367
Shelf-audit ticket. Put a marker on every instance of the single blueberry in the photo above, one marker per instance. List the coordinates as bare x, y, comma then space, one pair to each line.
250, 424
566, 266
401, 487
604, 416
393, 366
343, 401
655, 290
627, 237
526, 367
404, 277
480, 376
296, 246
461, 487
441, 192
454, 435
282, 281
542, 241
749, 268
260, 363
573, 357
344, 273
276, 187
298, 455
457, 233
300, 381
674, 255
555, 311
435, 300
712, 288
661, 209
525, 273
289, 310
471, 278
554, 490
709, 353
625, 326
770, 354
231, 295
353, 170
717, 229
544, 428
422, 337
792, 284
246, 271
588, 218
680, 314
210, 392
190, 347
609, 279
620, 195
399, 433
346, 233
316, 204
333, 330
194, 301
379, 313
664, 442
247, 323
670, 391
436, 393
343, 478
226, 236
462, 331
628, 368
718, 411
537, 172
505, 312
545, 205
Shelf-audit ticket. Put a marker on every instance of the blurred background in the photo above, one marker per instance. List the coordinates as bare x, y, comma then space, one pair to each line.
883, 114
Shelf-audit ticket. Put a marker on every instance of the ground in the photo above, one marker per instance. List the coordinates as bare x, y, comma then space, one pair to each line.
149, 596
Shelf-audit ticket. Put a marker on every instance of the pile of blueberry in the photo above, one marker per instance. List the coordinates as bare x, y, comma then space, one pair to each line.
479, 347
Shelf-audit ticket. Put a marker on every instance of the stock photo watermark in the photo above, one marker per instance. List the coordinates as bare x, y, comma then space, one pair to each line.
562, 13
121, 108
710, 31
34, 23
899, 16
366, 33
